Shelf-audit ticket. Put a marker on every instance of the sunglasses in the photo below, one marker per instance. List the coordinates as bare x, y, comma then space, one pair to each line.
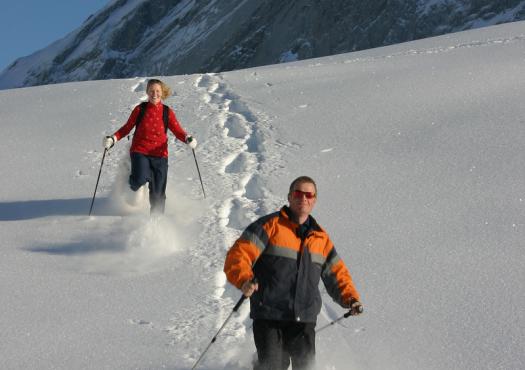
300, 194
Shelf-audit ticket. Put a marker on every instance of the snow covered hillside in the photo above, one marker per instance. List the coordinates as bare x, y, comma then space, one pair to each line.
417, 150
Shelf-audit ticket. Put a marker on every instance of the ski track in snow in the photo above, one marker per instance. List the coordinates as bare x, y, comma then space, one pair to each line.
232, 150
440, 49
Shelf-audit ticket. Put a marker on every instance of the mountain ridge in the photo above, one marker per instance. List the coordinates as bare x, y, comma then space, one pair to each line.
130, 38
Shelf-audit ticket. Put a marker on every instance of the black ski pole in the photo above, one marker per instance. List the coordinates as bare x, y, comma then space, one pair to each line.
98, 178
349, 313
199, 172
239, 303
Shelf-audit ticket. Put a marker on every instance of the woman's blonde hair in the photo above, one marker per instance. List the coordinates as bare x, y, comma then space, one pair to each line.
166, 91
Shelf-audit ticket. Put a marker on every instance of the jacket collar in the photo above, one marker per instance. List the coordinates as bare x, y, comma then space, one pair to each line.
311, 223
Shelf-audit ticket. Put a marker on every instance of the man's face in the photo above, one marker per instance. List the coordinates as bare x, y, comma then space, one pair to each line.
302, 199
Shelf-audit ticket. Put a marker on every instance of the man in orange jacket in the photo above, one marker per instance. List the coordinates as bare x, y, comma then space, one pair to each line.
278, 262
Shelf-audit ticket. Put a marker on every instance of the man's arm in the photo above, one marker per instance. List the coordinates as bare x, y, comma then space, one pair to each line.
239, 261
337, 280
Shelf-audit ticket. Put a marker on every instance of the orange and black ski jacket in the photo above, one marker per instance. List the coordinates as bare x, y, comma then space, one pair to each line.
288, 267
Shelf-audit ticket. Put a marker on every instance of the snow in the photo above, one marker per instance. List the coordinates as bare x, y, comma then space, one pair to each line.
417, 151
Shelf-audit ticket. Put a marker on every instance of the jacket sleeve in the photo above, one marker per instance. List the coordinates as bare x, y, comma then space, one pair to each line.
239, 262
242, 256
175, 127
125, 130
337, 279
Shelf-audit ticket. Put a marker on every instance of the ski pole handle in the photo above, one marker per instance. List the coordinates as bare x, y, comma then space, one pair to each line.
350, 313
243, 297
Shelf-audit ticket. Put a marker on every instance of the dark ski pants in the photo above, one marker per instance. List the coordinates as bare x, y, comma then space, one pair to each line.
155, 171
278, 342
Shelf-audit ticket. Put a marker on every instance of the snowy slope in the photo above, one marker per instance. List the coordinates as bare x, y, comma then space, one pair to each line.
417, 149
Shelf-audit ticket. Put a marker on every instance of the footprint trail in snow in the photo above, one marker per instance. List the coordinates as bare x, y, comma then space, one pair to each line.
233, 151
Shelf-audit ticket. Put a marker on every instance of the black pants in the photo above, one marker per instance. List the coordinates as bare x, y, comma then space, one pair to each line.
278, 342
153, 170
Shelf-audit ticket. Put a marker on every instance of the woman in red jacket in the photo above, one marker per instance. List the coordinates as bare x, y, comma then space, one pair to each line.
149, 148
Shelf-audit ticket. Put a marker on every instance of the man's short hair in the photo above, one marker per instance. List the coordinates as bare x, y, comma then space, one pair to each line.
301, 180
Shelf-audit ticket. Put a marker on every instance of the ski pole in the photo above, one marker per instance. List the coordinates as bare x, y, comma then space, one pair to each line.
98, 178
239, 303
349, 313
199, 172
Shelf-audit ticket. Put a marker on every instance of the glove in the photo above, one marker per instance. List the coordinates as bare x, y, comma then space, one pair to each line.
249, 287
356, 308
109, 141
191, 141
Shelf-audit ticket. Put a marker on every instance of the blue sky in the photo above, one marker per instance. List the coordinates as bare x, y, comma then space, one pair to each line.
30, 25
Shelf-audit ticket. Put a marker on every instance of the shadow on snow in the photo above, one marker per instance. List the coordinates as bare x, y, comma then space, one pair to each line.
31, 209
79, 248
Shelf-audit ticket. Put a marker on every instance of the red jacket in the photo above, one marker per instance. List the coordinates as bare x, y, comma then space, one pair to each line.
150, 138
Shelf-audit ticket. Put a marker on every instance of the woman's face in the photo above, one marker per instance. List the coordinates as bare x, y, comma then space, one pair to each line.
154, 93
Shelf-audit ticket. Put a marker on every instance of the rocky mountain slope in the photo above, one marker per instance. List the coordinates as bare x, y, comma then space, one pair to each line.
168, 37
